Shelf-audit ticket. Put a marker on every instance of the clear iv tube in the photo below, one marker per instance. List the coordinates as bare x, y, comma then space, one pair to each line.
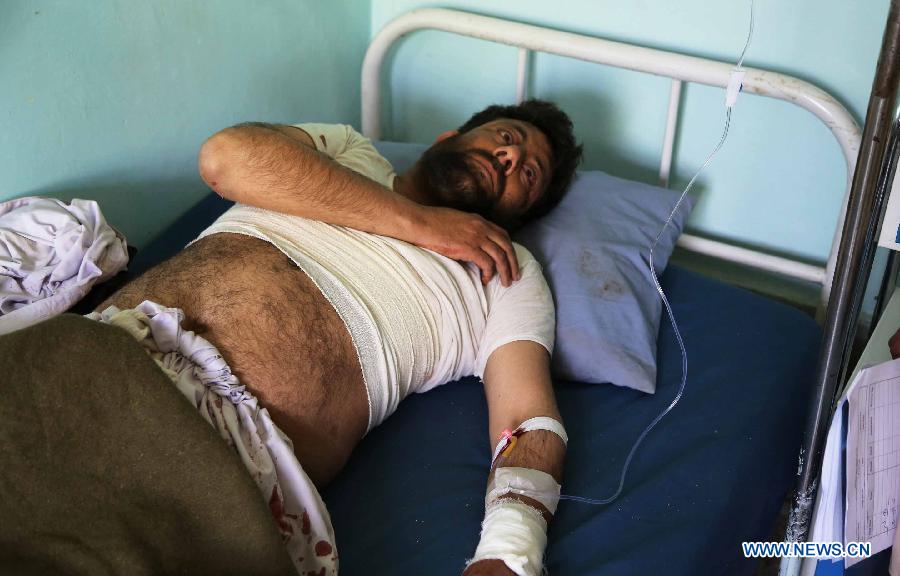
665, 301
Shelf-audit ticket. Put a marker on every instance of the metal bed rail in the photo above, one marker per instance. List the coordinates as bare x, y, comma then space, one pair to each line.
678, 67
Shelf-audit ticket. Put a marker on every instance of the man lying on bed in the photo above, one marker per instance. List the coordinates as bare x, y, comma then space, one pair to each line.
386, 285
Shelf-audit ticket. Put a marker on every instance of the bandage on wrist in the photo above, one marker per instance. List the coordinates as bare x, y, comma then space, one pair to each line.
535, 484
515, 533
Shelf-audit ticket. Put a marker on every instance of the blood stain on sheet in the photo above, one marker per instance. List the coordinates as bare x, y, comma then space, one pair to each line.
276, 506
314, 573
323, 548
305, 528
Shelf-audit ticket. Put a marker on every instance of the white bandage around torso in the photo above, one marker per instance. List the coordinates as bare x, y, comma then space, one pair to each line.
416, 318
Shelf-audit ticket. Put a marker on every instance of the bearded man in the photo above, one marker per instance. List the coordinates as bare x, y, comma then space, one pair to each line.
334, 288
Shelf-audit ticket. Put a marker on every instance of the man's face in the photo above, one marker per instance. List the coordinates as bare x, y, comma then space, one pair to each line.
499, 169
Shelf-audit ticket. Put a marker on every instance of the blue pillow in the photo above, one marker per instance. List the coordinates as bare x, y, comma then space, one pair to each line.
594, 248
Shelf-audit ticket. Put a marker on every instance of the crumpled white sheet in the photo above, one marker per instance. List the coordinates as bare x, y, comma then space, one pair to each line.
51, 254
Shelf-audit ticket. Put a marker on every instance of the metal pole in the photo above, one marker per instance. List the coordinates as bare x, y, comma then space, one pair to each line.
863, 212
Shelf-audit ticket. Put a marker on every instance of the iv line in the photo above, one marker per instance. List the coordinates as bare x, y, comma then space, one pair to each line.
730, 100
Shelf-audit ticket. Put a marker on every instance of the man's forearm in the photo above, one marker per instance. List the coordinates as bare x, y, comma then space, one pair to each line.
537, 450
525, 425
518, 387
262, 166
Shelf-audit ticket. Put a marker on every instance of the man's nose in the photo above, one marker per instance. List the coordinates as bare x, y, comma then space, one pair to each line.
509, 157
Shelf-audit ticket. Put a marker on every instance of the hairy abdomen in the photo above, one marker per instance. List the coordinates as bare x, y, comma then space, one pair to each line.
279, 334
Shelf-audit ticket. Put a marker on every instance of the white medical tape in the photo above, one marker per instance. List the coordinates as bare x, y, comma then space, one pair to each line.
530, 425
535, 484
545, 423
515, 533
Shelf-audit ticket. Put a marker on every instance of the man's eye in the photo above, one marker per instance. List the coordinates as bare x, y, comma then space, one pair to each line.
507, 137
529, 173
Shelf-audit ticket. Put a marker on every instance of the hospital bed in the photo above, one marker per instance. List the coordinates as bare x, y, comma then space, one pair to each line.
716, 470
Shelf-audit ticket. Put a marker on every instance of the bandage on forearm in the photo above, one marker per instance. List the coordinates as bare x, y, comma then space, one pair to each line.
515, 533
534, 484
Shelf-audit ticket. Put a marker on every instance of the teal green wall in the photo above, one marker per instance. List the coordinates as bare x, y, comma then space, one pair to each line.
778, 182
111, 99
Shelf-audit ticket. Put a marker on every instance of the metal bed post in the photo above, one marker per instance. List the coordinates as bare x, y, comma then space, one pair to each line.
853, 266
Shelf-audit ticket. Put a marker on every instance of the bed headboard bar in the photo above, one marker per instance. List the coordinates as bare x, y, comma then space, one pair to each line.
679, 67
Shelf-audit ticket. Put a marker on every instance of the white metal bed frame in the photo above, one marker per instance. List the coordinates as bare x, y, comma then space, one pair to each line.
680, 68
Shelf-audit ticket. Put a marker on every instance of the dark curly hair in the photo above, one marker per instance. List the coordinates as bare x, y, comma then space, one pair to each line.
557, 127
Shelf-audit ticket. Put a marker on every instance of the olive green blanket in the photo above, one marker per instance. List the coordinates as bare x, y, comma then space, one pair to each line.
105, 468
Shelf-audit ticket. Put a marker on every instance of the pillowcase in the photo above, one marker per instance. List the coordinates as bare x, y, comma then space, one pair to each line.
594, 248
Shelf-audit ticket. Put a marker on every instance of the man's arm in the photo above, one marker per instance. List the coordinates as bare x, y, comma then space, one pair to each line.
518, 387
278, 168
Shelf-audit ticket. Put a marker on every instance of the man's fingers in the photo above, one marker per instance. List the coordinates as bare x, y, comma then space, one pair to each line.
488, 247
501, 260
503, 241
486, 264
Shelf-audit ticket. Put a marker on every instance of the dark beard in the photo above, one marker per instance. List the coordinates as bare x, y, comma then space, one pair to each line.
451, 176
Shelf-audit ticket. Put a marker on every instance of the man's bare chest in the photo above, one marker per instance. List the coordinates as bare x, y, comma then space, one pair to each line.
277, 332
266, 316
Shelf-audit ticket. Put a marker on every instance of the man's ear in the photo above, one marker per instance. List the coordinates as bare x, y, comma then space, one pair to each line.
444, 135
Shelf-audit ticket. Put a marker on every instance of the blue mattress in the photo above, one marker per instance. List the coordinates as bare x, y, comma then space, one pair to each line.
712, 474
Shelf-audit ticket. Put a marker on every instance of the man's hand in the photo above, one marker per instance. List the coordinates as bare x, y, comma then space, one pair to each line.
488, 568
469, 238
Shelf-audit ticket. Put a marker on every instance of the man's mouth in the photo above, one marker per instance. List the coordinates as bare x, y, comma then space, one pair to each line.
488, 172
